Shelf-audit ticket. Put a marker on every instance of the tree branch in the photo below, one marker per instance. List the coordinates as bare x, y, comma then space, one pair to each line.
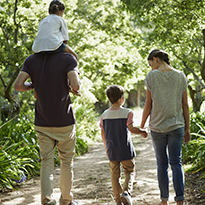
203, 64
8, 87
191, 93
2, 80
15, 23
194, 74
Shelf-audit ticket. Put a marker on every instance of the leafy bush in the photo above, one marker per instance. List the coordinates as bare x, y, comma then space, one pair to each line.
87, 125
196, 121
194, 151
19, 152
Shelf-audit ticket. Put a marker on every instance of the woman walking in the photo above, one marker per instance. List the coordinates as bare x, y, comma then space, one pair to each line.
167, 105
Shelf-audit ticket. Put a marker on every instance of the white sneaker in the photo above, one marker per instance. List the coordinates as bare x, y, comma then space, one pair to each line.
127, 197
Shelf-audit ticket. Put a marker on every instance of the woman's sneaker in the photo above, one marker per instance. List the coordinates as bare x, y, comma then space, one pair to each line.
127, 197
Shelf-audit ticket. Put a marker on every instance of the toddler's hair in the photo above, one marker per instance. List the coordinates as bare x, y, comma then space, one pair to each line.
114, 93
56, 6
162, 55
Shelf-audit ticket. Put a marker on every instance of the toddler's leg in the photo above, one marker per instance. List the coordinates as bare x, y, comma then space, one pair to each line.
69, 50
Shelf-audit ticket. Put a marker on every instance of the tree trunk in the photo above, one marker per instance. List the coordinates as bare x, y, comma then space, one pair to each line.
196, 98
203, 64
138, 97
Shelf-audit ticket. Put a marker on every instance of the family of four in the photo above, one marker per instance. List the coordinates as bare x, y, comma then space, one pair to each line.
53, 73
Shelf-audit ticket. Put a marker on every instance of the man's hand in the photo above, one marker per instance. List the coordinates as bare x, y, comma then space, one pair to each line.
20, 84
74, 80
78, 93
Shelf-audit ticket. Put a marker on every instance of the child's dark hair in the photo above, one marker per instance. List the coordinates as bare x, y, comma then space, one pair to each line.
114, 93
162, 55
56, 6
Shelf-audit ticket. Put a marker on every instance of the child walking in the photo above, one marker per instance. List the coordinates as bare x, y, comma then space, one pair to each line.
116, 128
52, 33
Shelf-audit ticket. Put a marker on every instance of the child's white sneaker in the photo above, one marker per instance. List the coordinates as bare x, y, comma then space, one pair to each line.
127, 197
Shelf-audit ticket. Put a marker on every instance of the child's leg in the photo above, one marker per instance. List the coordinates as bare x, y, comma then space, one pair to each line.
69, 50
115, 177
129, 171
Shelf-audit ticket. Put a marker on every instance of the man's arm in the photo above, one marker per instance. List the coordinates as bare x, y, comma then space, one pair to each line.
20, 84
74, 80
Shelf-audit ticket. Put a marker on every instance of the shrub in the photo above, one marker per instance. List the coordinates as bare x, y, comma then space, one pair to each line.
193, 153
18, 152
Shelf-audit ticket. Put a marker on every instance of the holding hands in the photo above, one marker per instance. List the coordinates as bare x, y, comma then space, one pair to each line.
144, 133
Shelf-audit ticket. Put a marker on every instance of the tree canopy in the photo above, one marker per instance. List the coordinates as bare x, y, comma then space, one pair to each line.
178, 28
100, 32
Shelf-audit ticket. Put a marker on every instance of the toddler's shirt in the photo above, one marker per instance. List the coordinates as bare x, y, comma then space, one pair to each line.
118, 137
52, 31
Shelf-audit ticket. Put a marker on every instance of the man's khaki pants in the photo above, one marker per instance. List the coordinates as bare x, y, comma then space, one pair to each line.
64, 139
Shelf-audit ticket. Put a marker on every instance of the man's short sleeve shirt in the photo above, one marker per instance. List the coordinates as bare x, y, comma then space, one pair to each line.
48, 74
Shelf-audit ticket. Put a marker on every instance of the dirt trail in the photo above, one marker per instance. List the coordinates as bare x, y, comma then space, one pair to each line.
92, 184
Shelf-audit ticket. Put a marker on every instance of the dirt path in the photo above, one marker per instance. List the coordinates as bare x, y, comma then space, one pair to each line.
92, 184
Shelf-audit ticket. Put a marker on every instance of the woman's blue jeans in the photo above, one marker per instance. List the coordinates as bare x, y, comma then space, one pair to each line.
168, 148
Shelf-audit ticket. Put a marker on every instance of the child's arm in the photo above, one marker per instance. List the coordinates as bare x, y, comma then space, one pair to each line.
136, 130
104, 139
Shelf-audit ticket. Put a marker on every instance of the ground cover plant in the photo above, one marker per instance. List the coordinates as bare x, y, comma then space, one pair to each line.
194, 151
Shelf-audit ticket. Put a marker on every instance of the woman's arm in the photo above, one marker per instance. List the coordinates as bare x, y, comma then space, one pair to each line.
136, 130
147, 108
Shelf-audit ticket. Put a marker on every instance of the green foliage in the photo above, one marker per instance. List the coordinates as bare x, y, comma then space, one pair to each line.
178, 28
100, 32
87, 127
18, 21
107, 45
19, 151
197, 122
194, 151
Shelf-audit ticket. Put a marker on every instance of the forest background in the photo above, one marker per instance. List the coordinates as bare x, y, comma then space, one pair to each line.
112, 39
